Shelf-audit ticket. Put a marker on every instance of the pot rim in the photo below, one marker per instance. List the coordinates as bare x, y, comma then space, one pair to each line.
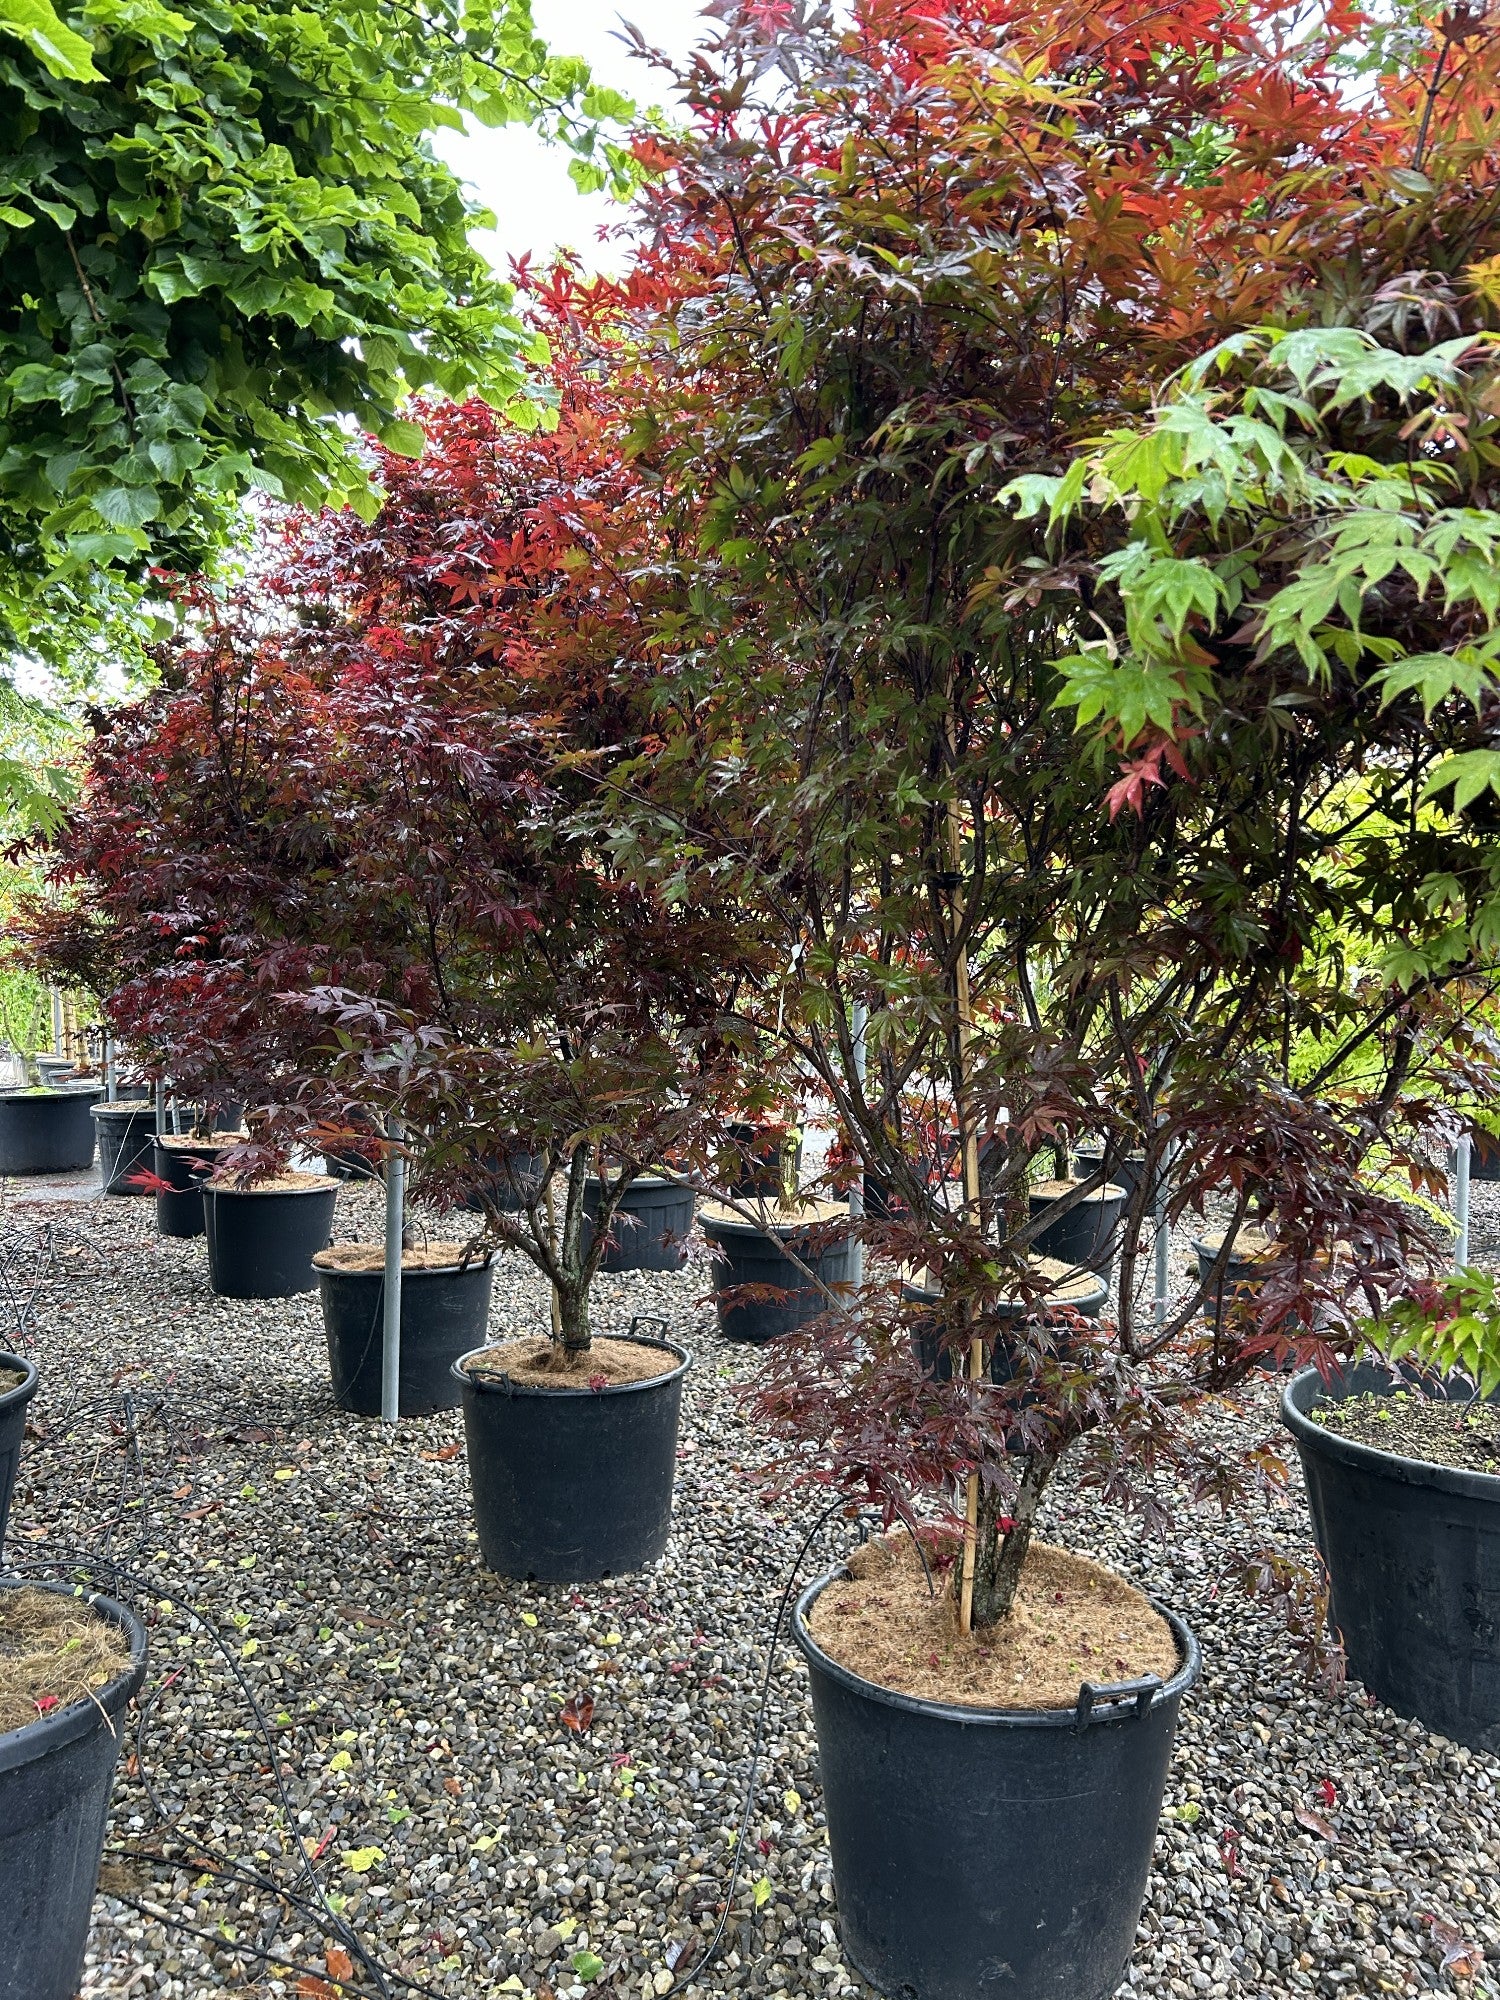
1370, 1458
408, 1272
497, 1385
48, 1733
323, 1184
129, 1107
51, 1093
23, 1391
1102, 1713
771, 1230
1109, 1191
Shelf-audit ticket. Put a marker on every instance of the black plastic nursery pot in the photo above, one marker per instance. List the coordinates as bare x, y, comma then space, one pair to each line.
127, 1140
444, 1310
13, 1406
991, 1852
1087, 1234
1484, 1155
47, 1131
570, 1485
55, 1779
509, 1178
766, 1159
750, 1253
1413, 1556
651, 1225
184, 1166
1075, 1290
262, 1240
1127, 1173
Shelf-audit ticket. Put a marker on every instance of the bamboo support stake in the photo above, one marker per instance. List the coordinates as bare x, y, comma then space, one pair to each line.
971, 1197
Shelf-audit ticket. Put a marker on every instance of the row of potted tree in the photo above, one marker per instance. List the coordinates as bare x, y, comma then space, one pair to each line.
1001, 633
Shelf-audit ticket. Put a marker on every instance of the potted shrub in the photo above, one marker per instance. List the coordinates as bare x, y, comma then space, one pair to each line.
1402, 1464
265, 1228
69, 1664
1001, 747
126, 1140
521, 992
775, 1263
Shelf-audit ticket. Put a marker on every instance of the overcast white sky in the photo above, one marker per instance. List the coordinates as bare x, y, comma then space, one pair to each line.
526, 182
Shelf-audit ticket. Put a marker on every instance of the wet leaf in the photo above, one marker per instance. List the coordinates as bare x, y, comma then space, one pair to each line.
761, 1893
338, 1962
1315, 1823
360, 1860
578, 1714
587, 1964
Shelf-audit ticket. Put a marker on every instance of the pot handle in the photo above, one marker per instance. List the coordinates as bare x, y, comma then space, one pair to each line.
1142, 1692
648, 1320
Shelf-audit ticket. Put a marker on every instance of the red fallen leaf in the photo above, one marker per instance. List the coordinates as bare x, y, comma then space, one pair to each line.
197, 1513
45, 1703
182, 1492
338, 1962
578, 1714
598, 1382
1315, 1823
764, 1845
442, 1457
933, 1661
453, 1788
1328, 1792
310, 1987
1229, 1843
619, 1763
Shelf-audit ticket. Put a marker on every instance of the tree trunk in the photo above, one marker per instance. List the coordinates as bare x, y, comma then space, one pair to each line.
1000, 1552
572, 1318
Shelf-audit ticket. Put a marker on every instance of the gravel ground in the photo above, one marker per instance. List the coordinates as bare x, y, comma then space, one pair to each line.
475, 1846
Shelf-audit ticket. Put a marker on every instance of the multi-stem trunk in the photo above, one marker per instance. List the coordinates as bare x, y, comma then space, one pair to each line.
1002, 1539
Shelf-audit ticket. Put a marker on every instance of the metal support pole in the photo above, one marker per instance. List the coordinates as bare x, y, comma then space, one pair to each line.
859, 1020
111, 1091
1163, 1242
1461, 1202
57, 1022
161, 1108
390, 1341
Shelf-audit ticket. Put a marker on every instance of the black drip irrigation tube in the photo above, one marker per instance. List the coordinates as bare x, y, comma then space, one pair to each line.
82, 1564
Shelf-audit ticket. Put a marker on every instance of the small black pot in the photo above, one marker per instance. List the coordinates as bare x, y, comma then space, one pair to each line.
510, 1179
651, 1226
47, 1131
765, 1160
443, 1315
262, 1245
981, 1853
1087, 1235
572, 1484
1413, 1555
13, 1406
351, 1166
1086, 1294
127, 1140
179, 1212
55, 1780
1484, 1155
745, 1253
1127, 1173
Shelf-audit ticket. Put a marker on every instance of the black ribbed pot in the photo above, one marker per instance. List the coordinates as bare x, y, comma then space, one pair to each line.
56, 1775
749, 1254
991, 1854
127, 1141
509, 1179
765, 1159
13, 1406
179, 1208
1413, 1556
1484, 1155
1127, 1173
47, 1131
261, 1245
1088, 1235
572, 1484
1086, 1294
444, 1312
651, 1225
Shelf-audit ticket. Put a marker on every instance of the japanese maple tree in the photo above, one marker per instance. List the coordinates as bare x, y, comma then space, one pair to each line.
339, 859
1074, 814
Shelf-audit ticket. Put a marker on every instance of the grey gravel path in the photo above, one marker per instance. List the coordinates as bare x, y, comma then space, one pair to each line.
1311, 1843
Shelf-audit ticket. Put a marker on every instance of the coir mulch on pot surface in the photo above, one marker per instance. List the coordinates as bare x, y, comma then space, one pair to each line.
53, 1651
539, 1364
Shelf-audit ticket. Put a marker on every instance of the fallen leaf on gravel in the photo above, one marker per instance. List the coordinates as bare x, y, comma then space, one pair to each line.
310, 1987
1328, 1792
578, 1713
360, 1860
449, 1451
1463, 1958
1315, 1823
453, 1788
338, 1962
